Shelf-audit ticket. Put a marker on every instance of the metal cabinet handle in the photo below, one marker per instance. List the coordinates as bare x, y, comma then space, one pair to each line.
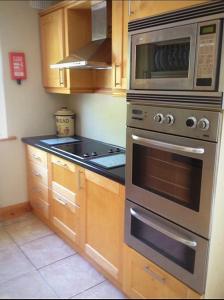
163, 230
62, 164
36, 157
115, 79
130, 12
37, 174
61, 76
79, 180
154, 275
60, 201
168, 145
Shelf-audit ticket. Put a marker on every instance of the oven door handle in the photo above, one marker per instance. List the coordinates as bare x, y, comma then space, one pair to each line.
163, 230
168, 145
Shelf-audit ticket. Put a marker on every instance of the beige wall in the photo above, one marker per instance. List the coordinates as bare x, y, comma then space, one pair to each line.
100, 117
29, 109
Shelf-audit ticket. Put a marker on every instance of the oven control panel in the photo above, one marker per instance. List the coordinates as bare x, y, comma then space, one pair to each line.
184, 122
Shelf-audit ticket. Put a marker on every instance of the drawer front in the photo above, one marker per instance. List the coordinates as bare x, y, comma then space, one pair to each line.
39, 191
37, 156
38, 175
40, 206
64, 173
66, 216
67, 194
63, 163
145, 280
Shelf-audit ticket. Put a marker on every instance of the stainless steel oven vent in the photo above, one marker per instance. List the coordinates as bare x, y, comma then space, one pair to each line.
176, 99
199, 11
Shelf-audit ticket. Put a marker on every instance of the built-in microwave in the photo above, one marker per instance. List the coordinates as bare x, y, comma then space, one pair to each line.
178, 57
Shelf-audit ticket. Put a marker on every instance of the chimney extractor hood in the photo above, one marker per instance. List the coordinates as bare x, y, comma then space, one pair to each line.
97, 53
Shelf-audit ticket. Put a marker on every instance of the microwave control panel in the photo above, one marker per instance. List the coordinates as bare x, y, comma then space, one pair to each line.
207, 51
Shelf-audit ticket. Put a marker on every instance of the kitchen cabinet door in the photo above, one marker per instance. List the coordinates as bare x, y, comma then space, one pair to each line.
52, 46
67, 197
104, 223
144, 280
119, 46
142, 8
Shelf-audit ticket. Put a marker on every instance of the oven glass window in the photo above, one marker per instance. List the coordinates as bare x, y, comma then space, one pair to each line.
179, 253
169, 59
172, 176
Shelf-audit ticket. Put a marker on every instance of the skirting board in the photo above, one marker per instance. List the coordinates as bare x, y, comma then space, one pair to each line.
14, 211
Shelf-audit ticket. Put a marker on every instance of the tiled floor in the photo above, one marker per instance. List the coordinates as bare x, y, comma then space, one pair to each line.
36, 264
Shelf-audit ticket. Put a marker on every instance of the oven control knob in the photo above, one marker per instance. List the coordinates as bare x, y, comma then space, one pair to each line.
159, 118
191, 122
203, 124
169, 119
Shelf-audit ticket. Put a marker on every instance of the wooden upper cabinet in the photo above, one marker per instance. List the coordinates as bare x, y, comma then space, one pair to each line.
52, 46
119, 46
63, 31
144, 8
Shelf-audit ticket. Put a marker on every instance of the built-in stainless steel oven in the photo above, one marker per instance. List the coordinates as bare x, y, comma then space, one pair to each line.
171, 158
170, 175
177, 51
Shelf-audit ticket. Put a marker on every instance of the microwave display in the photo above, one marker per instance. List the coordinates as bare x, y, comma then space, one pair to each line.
163, 59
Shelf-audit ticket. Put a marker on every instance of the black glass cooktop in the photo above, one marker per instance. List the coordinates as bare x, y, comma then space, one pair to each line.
87, 150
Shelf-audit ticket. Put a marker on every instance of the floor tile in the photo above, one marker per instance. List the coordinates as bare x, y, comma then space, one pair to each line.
29, 286
27, 231
104, 290
71, 276
5, 240
13, 263
47, 250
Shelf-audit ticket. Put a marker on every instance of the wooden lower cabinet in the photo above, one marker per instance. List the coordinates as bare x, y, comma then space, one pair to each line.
142, 279
104, 223
38, 191
67, 199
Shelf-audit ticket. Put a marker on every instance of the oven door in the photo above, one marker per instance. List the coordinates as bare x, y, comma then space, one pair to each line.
172, 176
178, 251
164, 59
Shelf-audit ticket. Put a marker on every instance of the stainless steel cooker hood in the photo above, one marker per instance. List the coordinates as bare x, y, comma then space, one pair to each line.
97, 53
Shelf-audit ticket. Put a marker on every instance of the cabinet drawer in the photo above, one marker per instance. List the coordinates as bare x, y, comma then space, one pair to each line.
145, 280
66, 216
37, 175
64, 173
37, 156
63, 163
67, 194
39, 191
40, 206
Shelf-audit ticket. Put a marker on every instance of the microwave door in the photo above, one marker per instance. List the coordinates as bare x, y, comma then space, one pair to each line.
164, 59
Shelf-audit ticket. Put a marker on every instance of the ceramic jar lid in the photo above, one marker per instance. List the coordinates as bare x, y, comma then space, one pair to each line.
64, 111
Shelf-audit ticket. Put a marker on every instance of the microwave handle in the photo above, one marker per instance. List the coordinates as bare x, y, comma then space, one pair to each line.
163, 230
168, 145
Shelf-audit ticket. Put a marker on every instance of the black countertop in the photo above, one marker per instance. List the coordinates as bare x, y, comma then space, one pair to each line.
116, 174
